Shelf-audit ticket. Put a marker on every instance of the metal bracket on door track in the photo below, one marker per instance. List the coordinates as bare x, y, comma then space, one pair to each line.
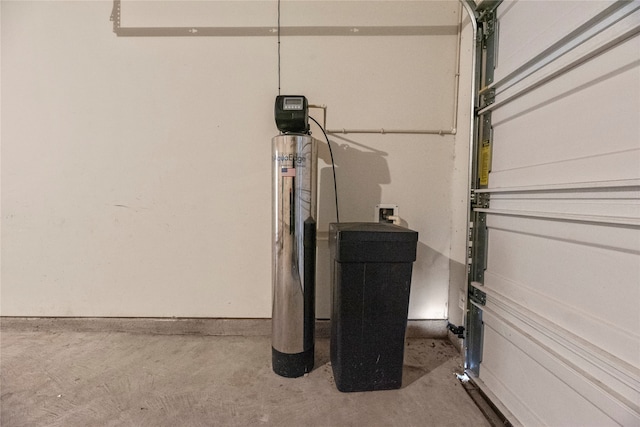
477, 296
488, 19
457, 330
478, 247
487, 98
479, 200
489, 22
486, 58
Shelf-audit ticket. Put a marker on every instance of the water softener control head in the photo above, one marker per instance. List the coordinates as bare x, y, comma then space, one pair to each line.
292, 114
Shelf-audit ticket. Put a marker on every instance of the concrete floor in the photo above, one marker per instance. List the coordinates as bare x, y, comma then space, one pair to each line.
54, 378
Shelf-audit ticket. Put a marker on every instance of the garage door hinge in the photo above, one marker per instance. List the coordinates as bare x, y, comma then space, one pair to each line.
488, 20
477, 296
489, 42
487, 98
457, 330
479, 200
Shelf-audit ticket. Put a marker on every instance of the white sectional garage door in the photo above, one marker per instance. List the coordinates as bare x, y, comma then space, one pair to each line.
560, 168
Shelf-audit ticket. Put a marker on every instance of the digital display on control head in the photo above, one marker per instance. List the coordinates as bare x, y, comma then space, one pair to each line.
292, 104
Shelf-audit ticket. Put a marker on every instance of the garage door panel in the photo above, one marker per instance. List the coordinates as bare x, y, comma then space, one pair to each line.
607, 167
560, 288
576, 122
531, 29
566, 271
619, 346
621, 238
607, 64
623, 204
536, 388
552, 124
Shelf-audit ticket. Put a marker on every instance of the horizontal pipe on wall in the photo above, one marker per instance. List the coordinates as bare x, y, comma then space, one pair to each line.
395, 131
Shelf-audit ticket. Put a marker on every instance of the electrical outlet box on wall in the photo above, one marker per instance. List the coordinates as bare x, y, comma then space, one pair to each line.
383, 212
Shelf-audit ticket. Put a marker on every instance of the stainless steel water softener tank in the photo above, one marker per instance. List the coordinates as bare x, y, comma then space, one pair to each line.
294, 180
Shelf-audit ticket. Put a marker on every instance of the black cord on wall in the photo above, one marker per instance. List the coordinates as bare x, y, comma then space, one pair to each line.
333, 167
278, 47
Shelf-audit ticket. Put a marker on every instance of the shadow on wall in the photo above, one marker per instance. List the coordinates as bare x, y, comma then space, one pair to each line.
360, 173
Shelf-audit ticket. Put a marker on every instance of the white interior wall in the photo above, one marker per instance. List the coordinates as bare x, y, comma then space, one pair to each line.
135, 171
